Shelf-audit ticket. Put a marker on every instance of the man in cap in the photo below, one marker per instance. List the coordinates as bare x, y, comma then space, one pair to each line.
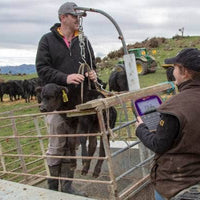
58, 53
58, 60
176, 170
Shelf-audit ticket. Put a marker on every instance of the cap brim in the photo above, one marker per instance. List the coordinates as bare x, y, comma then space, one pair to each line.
82, 14
170, 60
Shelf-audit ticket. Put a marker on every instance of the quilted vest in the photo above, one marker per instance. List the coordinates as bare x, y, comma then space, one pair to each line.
179, 167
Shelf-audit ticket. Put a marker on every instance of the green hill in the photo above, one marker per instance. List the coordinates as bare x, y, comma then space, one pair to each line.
172, 46
164, 47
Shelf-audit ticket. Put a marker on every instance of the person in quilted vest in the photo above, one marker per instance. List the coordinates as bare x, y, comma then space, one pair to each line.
176, 170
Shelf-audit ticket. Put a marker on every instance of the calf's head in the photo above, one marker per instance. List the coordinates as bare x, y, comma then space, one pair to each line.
53, 97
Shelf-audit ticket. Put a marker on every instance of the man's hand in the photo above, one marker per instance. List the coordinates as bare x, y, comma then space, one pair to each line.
75, 79
138, 122
91, 75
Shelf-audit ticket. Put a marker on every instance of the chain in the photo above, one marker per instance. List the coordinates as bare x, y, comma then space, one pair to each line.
81, 39
82, 48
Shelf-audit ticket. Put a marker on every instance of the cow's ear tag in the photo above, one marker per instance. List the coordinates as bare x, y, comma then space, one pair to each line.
64, 95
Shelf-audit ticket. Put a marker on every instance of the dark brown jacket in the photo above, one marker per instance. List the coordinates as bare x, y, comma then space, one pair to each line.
179, 167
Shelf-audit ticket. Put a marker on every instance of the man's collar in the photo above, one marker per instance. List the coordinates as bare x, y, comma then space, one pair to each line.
76, 33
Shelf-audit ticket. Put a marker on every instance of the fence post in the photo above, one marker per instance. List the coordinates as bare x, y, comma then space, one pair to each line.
41, 144
2, 159
114, 192
19, 147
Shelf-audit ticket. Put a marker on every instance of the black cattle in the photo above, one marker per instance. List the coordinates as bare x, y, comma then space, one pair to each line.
118, 79
13, 88
51, 99
89, 124
17, 86
29, 86
169, 73
7, 88
17, 89
4, 89
28, 90
1, 93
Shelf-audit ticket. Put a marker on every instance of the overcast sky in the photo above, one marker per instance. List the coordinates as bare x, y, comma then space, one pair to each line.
23, 22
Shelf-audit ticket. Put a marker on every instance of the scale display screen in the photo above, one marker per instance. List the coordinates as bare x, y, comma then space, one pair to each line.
147, 104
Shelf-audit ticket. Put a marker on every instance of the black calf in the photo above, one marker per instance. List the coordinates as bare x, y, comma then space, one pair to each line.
89, 124
118, 79
52, 99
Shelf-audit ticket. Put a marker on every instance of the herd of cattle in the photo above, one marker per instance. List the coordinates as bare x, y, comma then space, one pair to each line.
19, 89
26, 89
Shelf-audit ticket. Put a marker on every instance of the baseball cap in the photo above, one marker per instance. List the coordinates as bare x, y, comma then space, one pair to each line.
69, 8
188, 58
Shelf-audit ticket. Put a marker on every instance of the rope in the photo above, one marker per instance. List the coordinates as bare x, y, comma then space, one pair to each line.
81, 71
106, 106
120, 115
99, 88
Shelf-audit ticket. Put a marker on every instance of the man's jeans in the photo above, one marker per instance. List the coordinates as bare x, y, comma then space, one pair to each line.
158, 196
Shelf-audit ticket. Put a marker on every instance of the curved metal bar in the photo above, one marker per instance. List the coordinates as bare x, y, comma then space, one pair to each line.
121, 37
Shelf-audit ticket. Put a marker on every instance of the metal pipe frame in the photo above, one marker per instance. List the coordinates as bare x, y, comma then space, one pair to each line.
49, 136
48, 156
121, 37
134, 168
124, 149
60, 178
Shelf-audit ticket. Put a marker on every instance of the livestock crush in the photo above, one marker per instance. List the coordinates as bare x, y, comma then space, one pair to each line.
125, 171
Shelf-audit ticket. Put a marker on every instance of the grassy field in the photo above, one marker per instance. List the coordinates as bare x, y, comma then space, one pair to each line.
16, 77
172, 46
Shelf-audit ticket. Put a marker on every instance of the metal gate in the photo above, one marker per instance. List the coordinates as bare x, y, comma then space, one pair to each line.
126, 165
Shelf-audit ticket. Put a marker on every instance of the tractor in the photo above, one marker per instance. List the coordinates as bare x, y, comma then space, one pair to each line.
145, 62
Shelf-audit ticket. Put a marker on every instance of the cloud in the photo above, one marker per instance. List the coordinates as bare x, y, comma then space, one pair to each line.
16, 56
24, 22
